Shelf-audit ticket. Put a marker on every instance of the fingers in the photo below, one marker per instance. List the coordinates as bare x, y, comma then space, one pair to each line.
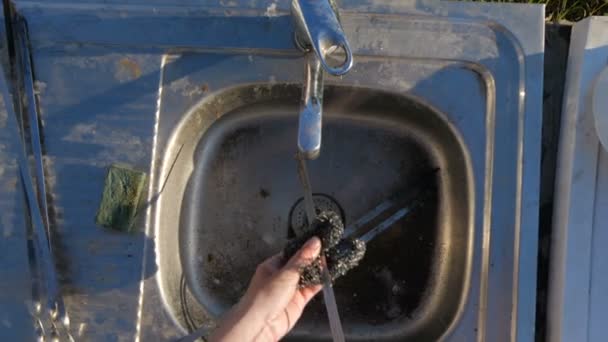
310, 292
306, 255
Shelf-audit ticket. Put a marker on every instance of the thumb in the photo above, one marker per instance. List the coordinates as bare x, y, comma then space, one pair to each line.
304, 257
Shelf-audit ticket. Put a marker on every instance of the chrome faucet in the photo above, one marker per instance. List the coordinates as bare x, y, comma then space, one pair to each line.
319, 33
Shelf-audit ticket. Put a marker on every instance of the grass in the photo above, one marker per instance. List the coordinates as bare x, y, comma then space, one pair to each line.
569, 10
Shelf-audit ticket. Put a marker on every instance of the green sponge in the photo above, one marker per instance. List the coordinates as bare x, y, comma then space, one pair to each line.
120, 201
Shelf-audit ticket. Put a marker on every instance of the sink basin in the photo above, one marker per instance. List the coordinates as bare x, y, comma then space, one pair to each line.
243, 188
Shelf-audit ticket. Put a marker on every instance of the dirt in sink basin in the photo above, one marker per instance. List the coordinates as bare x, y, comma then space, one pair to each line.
392, 279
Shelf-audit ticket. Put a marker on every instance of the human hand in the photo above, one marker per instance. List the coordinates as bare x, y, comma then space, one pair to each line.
273, 303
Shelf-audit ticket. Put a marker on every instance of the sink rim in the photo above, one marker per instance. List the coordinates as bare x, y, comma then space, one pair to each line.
523, 79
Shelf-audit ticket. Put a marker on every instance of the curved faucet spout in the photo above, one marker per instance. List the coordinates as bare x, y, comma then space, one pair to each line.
320, 34
310, 124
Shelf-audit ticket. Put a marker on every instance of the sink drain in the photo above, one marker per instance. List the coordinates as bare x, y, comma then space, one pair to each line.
297, 217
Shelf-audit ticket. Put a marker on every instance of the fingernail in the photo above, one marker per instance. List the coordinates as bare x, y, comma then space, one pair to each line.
314, 243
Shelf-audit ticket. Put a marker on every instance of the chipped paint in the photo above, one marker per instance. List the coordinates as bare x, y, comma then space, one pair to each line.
271, 10
39, 87
186, 88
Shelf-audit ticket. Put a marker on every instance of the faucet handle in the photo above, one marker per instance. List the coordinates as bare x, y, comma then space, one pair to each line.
318, 26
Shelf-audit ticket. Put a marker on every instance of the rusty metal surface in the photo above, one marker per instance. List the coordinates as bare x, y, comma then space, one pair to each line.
98, 69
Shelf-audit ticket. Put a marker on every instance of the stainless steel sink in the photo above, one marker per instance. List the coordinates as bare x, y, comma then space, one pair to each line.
238, 198
224, 188
204, 97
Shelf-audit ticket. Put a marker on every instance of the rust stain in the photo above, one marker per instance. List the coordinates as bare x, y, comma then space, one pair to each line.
130, 66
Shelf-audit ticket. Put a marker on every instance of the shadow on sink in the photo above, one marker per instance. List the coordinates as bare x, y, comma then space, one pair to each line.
238, 186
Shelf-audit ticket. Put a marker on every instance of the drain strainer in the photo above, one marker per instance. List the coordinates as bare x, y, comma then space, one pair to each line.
298, 220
